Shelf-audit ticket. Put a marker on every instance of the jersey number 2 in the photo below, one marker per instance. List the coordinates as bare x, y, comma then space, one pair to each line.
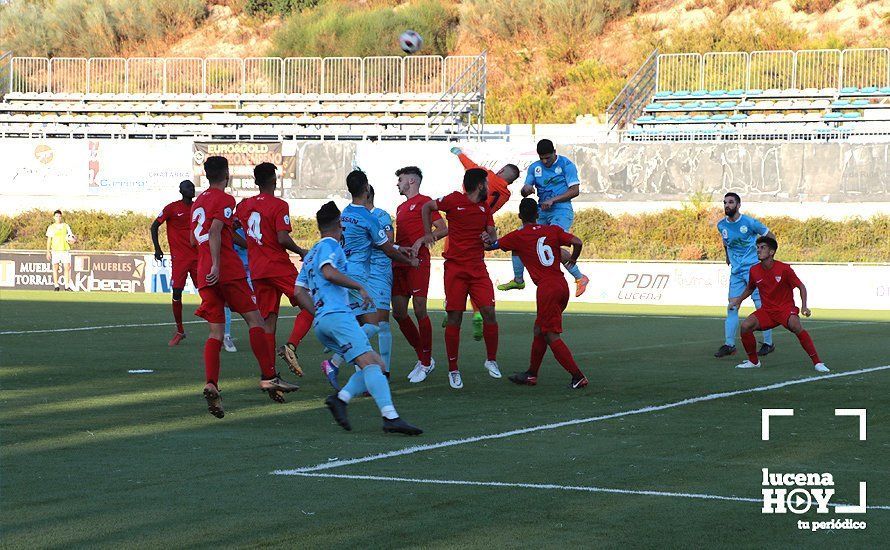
545, 253
200, 216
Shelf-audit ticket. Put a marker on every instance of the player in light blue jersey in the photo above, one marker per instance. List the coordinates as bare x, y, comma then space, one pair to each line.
380, 282
555, 180
322, 289
739, 234
240, 243
361, 234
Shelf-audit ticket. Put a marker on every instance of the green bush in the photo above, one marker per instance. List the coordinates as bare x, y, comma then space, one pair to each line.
277, 7
686, 233
353, 29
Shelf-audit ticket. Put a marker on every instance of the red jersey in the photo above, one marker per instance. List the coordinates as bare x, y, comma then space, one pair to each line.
466, 222
215, 204
177, 216
776, 285
409, 226
262, 217
498, 188
539, 248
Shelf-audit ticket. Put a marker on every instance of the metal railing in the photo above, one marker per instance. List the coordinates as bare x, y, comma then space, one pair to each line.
461, 107
5, 71
424, 74
629, 102
782, 69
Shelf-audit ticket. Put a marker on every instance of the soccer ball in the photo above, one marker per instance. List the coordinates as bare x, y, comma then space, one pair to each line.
71, 239
410, 42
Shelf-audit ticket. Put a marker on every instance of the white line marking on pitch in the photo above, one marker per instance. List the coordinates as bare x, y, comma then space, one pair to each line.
238, 319
651, 408
546, 486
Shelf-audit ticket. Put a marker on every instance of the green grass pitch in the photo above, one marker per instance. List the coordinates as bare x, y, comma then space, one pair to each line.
93, 456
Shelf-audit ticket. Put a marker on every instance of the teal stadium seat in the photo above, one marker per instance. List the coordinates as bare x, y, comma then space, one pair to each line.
719, 118
840, 103
646, 118
852, 115
708, 104
681, 93
849, 90
700, 118
860, 102
832, 116
884, 90
736, 92
664, 93
738, 117
869, 90
755, 91
725, 104
717, 93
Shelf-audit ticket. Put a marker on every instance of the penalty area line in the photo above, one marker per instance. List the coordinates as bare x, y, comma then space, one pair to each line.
541, 486
642, 410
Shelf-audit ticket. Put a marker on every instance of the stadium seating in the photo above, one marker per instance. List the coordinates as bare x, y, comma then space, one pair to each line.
816, 94
371, 96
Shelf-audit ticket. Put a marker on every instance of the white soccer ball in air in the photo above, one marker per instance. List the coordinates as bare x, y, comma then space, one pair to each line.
72, 239
410, 42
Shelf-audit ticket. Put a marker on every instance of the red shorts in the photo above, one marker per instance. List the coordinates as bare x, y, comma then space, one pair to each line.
183, 269
771, 318
462, 281
411, 281
552, 298
270, 290
235, 294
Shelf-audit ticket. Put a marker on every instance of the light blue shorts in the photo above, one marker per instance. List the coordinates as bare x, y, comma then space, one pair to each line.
355, 301
340, 333
562, 217
380, 288
738, 282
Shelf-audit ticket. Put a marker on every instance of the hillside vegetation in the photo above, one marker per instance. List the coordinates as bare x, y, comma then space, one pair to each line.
548, 61
678, 234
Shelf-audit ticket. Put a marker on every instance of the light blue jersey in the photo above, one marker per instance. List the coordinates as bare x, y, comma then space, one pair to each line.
554, 181
380, 278
242, 252
328, 297
740, 239
361, 233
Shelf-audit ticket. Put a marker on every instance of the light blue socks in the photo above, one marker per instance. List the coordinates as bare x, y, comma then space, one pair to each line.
518, 269
228, 321
378, 387
384, 343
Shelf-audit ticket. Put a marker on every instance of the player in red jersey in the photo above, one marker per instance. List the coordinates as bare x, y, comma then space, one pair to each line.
266, 220
183, 254
412, 283
222, 281
498, 195
776, 282
537, 246
469, 216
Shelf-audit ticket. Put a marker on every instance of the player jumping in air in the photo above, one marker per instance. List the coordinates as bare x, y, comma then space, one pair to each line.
413, 282
361, 233
555, 180
498, 195
776, 282
537, 246
183, 254
468, 216
739, 233
322, 289
222, 281
266, 219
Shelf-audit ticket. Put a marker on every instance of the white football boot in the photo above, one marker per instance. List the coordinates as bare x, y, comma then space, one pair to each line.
492, 368
455, 380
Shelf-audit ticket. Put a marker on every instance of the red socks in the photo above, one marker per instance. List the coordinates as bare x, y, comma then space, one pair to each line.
564, 357
490, 334
425, 330
302, 324
260, 347
750, 344
452, 345
270, 342
807, 344
211, 359
411, 334
177, 315
539, 348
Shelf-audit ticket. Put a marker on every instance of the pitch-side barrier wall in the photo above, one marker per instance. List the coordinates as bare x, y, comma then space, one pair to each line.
834, 180
831, 286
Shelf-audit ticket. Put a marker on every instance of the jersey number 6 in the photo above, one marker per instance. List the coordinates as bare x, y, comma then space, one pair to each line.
545, 253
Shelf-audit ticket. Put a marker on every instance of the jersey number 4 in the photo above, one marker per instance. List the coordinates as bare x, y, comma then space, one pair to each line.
254, 231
